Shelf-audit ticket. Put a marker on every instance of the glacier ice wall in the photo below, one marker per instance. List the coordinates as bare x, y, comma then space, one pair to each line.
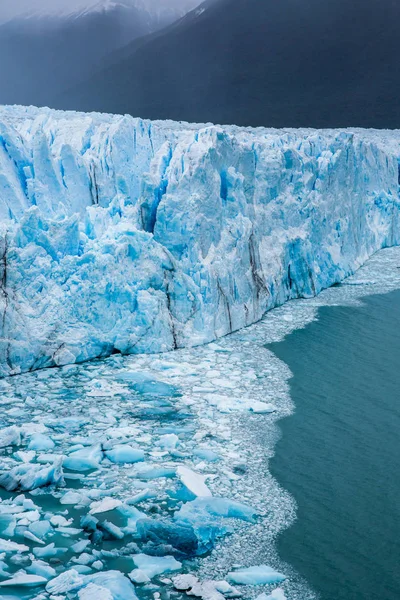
124, 235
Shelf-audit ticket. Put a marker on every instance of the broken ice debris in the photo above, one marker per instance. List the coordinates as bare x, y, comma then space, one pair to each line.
194, 482
150, 566
24, 580
122, 453
28, 477
85, 459
258, 575
40, 442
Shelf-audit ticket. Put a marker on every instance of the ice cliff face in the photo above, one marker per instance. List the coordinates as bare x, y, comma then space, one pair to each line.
123, 235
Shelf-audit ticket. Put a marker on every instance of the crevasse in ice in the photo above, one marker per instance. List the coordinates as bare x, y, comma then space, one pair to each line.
124, 235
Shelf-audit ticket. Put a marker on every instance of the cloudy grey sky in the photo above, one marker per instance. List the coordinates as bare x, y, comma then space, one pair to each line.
13, 8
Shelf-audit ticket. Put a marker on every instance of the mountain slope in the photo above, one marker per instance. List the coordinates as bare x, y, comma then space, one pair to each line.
43, 53
261, 62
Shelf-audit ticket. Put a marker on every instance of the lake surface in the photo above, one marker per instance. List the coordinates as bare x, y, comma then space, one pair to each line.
339, 455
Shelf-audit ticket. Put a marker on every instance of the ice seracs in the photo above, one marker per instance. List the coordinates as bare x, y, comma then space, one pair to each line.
174, 234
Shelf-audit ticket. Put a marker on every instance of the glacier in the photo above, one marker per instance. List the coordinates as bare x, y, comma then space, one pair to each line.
121, 235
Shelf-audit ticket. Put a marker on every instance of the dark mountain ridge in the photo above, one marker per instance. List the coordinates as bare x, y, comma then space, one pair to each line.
260, 62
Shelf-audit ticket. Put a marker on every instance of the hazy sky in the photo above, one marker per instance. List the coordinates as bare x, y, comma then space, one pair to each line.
12, 8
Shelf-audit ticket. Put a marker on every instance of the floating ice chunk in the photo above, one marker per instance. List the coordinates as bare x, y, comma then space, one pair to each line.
277, 594
261, 407
72, 498
155, 565
29, 477
148, 471
40, 442
113, 530
169, 441
25, 456
162, 534
103, 389
226, 589
95, 592
207, 590
10, 436
7, 525
83, 559
139, 576
259, 575
194, 482
68, 581
184, 582
206, 454
85, 459
143, 495
24, 580
28, 535
227, 404
9, 547
132, 514
60, 521
199, 508
156, 388
118, 585
104, 505
80, 546
48, 457
41, 528
49, 551
41, 568
122, 453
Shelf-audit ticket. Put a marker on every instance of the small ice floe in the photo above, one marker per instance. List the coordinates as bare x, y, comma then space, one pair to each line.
10, 547
95, 592
10, 436
169, 441
49, 551
85, 459
118, 585
40, 442
104, 505
74, 498
206, 454
204, 508
148, 471
24, 580
194, 482
41, 568
227, 404
150, 566
25, 457
105, 389
258, 575
182, 583
68, 581
208, 589
80, 546
277, 594
123, 453
28, 477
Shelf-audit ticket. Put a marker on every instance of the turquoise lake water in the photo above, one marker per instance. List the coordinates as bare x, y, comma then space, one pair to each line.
339, 454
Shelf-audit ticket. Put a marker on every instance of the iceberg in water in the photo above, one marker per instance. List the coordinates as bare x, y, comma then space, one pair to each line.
124, 235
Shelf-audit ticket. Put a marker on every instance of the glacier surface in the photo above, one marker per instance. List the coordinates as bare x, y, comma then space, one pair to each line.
119, 235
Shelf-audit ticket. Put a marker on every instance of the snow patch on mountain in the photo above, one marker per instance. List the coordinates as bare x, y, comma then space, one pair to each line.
79, 8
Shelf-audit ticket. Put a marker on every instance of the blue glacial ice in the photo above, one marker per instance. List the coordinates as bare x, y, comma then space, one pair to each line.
179, 521
120, 235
